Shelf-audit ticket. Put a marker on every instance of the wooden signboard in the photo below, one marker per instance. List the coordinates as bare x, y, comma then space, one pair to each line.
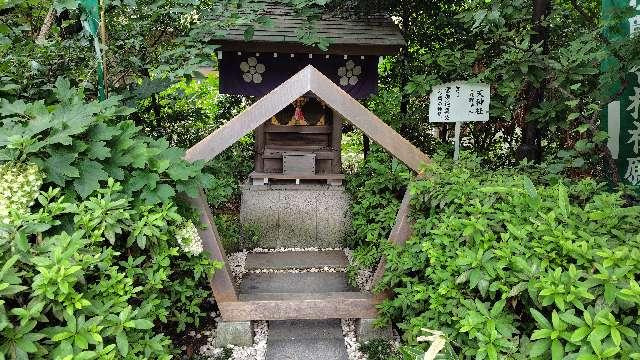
457, 102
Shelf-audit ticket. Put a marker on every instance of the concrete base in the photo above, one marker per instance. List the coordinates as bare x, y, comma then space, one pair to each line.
368, 331
297, 216
239, 333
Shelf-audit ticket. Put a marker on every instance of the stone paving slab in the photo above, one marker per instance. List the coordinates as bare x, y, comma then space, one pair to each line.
295, 282
306, 340
296, 260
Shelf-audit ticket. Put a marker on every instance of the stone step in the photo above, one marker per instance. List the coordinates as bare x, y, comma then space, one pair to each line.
305, 282
305, 340
296, 260
344, 295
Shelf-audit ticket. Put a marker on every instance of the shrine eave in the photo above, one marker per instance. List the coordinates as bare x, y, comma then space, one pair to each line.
347, 33
379, 49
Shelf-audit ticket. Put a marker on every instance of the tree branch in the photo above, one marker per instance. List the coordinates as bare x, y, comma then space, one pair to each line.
46, 26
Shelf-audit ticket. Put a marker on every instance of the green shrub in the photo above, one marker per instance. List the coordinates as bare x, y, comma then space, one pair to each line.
377, 189
235, 235
104, 264
187, 112
509, 269
379, 349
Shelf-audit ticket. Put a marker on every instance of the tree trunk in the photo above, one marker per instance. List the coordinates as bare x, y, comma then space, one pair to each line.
46, 25
531, 148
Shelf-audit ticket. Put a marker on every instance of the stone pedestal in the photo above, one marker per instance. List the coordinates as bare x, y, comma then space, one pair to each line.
297, 216
238, 333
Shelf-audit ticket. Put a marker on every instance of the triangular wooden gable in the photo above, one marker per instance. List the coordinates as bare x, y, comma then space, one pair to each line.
308, 80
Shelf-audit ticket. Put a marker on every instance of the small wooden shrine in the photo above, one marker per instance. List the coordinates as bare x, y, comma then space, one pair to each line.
303, 97
302, 141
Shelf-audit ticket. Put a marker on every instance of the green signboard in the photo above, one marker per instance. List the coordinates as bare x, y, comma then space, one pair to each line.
621, 118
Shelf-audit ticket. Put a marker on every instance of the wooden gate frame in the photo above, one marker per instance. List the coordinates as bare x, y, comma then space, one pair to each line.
241, 307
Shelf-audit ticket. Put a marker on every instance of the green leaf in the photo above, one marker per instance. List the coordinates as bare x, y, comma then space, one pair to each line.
141, 179
599, 332
557, 350
181, 171
248, 33
530, 188
610, 351
142, 324
62, 335
538, 348
59, 168
563, 200
123, 343
497, 308
91, 173
161, 193
610, 293
103, 132
580, 334
615, 336
540, 319
60, 5
541, 334
474, 277
492, 352
98, 150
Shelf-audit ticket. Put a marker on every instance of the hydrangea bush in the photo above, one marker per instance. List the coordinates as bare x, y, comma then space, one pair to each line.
107, 262
19, 187
188, 238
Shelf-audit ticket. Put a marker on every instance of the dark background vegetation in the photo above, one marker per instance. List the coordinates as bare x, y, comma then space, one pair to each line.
509, 260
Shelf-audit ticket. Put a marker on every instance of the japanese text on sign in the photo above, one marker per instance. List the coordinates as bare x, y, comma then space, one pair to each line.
459, 101
634, 22
633, 168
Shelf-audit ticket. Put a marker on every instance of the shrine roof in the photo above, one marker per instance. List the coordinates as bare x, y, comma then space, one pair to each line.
349, 34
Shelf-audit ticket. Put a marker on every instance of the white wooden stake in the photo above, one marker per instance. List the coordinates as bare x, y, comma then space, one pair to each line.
456, 151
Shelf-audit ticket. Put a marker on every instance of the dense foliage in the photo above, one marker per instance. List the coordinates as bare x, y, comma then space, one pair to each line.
99, 257
377, 187
518, 266
105, 261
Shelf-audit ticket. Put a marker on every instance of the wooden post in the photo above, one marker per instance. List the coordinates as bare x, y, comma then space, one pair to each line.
456, 139
400, 233
222, 281
259, 148
336, 143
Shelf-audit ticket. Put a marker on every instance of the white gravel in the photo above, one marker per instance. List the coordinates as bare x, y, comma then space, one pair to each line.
238, 260
294, 270
364, 276
350, 340
262, 250
236, 263
256, 352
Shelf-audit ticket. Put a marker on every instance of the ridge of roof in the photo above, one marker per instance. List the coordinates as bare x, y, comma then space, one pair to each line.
308, 80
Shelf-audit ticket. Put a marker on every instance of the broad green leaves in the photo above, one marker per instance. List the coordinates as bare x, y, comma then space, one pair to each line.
83, 144
514, 266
